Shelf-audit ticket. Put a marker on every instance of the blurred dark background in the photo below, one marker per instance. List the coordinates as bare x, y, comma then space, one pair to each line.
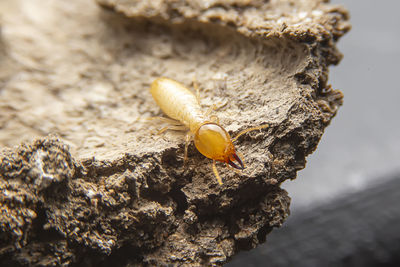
346, 202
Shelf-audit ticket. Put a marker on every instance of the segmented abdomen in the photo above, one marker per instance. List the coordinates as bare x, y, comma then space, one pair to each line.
177, 102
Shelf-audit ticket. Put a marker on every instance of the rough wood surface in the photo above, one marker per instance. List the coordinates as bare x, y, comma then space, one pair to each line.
104, 190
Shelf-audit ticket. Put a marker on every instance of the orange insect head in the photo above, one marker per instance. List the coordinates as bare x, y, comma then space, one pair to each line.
214, 142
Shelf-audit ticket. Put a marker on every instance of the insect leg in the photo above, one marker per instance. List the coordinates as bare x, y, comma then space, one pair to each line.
188, 138
221, 105
164, 119
250, 130
172, 127
209, 110
214, 107
174, 124
214, 167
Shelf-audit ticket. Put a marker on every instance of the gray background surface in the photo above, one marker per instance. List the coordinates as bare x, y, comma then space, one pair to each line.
361, 148
362, 143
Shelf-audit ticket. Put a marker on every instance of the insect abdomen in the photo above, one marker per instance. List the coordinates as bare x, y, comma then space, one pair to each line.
177, 102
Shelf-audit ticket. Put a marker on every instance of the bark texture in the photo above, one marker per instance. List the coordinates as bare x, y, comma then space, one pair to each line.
90, 184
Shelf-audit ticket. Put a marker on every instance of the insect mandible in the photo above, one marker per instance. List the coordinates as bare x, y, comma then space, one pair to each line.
184, 109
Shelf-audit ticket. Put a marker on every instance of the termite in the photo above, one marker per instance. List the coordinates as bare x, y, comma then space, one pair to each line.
210, 138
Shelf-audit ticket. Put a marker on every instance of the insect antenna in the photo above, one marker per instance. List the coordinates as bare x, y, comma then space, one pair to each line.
249, 130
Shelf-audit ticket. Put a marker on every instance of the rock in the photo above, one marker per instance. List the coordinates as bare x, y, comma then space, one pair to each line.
101, 188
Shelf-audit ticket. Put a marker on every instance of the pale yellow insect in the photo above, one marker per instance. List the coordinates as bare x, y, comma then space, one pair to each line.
210, 139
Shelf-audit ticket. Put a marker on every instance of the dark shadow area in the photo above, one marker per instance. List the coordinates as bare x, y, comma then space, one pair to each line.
361, 229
